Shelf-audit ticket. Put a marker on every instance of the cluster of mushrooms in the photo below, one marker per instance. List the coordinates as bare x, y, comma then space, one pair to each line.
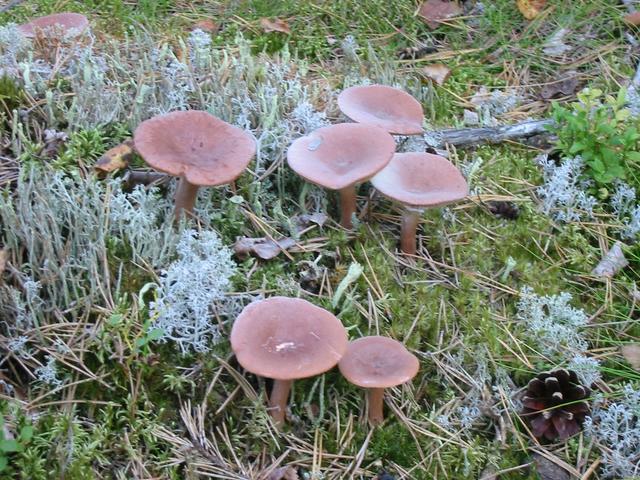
281, 338
287, 339
203, 150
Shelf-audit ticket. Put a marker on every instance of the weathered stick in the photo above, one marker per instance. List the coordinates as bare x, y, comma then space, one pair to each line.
473, 136
12, 4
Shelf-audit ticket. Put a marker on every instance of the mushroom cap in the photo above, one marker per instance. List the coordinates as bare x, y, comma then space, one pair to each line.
204, 149
68, 21
341, 155
390, 108
421, 180
287, 339
378, 362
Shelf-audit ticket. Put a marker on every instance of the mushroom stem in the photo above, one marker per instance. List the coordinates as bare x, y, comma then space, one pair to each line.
347, 205
185, 198
376, 401
278, 400
410, 221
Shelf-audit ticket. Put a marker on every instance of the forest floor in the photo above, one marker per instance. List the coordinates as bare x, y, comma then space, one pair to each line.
502, 287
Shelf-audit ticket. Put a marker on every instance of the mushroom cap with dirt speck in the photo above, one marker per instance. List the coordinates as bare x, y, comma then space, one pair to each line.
287, 338
204, 149
390, 108
341, 155
421, 180
378, 362
67, 21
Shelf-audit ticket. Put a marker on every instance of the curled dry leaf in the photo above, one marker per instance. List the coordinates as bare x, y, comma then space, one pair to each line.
437, 72
284, 473
611, 263
555, 45
567, 85
434, 12
530, 9
631, 354
206, 25
303, 221
115, 158
264, 248
275, 25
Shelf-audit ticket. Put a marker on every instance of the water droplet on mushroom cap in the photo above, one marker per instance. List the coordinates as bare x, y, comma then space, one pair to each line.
341, 155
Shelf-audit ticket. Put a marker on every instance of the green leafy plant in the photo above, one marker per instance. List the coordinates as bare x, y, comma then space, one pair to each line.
12, 445
600, 129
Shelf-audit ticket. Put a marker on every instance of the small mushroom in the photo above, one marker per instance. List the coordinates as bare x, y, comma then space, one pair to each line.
340, 156
419, 180
197, 147
67, 22
376, 363
287, 339
390, 108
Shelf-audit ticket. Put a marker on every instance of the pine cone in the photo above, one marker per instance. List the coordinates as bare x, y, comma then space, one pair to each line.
553, 406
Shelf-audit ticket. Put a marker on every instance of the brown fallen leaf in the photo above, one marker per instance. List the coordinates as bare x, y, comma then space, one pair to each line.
275, 25
206, 25
304, 220
115, 158
561, 87
530, 9
632, 18
434, 12
284, 473
437, 72
264, 248
631, 354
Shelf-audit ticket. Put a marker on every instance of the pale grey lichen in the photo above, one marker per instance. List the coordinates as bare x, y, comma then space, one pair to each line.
564, 191
616, 428
587, 369
623, 203
191, 295
552, 321
48, 373
12, 46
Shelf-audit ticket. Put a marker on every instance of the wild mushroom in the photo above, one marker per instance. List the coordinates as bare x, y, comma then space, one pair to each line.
376, 363
197, 147
287, 339
340, 156
390, 108
68, 23
419, 180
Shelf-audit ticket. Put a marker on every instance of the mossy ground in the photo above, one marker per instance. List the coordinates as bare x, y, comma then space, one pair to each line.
146, 412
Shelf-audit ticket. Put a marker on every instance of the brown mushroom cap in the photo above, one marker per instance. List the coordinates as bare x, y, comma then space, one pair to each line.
341, 155
421, 180
203, 148
287, 339
67, 21
378, 362
390, 108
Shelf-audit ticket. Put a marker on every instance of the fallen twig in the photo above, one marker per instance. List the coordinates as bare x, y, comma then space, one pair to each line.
472, 136
11, 4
